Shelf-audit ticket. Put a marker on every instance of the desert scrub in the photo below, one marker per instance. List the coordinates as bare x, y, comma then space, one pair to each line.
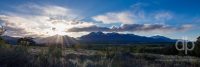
49, 57
55, 56
17, 56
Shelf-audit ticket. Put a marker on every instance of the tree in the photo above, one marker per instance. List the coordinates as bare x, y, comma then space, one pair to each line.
2, 30
198, 40
26, 41
197, 47
2, 42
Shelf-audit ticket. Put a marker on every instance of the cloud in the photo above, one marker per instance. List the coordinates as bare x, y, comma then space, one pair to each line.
42, 20
163, 16
88, 29
136, 14
53, 10
139, 5
45, 19
132, 28
115, 17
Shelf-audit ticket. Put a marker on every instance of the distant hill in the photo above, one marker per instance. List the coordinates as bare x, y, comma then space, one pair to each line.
10, 40
57, 39
116, 38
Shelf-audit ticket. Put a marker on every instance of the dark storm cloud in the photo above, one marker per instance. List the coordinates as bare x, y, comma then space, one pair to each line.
89, 29
131, 28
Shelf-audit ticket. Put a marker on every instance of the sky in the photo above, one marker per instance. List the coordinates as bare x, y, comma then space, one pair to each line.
37, 18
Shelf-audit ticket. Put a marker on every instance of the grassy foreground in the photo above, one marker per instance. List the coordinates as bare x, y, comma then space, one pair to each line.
52, 56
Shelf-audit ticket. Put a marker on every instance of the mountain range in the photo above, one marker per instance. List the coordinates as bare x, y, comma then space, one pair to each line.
10, 40
116, 38
96, 38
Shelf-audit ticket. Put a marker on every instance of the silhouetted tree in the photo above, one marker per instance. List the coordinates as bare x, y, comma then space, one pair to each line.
2, 30
2, 42
198, 40
26, 41
197, 47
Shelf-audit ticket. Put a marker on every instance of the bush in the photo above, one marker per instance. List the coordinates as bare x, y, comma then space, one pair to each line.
3, 44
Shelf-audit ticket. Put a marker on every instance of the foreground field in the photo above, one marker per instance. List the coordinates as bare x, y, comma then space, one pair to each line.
34, 56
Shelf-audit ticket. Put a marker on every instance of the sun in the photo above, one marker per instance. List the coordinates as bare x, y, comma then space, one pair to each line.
59, 29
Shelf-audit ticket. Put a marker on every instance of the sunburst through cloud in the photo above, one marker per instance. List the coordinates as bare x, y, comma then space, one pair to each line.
99, 33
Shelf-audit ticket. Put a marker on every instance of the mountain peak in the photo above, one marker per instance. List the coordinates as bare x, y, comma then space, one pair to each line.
96, 33
158, 36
